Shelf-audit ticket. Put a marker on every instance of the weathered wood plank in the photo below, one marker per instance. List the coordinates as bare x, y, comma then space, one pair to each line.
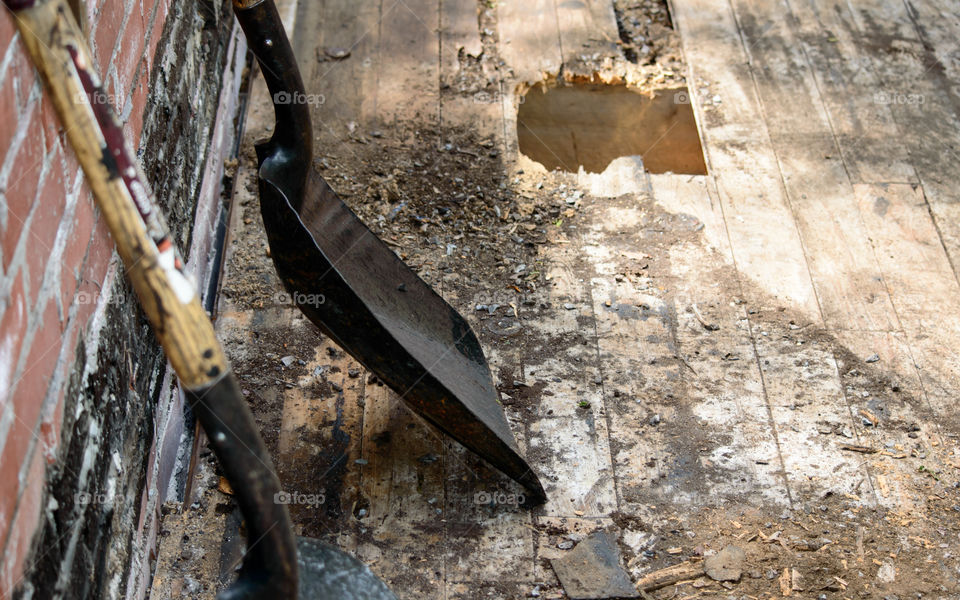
402, 491
459, 32
921, 281
788, 104
847, 278
468, 99
571, 438
587, 26
766, 244
915, 86
724, 386
320, 433
407, 84
529, 39
342, 91
865, 130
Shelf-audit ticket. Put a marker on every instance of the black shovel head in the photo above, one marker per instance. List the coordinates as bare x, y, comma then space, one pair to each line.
356, 290
326, 572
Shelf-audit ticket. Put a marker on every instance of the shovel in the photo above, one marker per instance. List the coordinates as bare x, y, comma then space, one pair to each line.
169, 299
374, 306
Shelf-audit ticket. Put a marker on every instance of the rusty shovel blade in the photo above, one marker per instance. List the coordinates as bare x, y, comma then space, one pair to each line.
356, 290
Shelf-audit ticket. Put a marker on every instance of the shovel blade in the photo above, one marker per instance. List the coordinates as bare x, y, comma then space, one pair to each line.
327, 572
356, 290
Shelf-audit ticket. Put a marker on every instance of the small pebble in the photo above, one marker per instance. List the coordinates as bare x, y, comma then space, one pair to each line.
336, 52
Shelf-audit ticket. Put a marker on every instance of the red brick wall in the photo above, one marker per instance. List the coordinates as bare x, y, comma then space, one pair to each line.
55, 253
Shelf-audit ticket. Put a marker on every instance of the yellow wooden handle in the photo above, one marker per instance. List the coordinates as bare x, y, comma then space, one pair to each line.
169, 299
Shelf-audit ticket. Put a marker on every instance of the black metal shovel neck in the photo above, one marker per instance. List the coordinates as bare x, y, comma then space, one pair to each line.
355, 288
285, 158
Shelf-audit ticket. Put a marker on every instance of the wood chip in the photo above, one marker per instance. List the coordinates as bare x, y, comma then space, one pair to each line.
786, 584
706, 325
860, 449
866, 414
670, 575
224, 486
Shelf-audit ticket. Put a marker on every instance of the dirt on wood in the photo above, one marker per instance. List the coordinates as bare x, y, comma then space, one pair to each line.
476, 228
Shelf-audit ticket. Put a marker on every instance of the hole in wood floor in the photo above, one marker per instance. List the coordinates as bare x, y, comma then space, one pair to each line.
589, 125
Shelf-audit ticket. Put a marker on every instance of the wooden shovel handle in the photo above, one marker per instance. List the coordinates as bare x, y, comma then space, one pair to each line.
168, 297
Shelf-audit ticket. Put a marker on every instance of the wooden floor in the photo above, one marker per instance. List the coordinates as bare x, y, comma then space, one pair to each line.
770, 347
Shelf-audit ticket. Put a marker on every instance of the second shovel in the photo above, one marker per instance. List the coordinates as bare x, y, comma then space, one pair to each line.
375, 307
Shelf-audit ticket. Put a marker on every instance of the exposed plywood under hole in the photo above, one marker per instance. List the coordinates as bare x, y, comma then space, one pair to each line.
573, 126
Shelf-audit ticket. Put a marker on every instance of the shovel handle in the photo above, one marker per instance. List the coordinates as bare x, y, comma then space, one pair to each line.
169, 299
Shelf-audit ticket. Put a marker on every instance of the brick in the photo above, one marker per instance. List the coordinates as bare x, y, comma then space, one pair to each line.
162, 10
134, 125
26, 77
131, 48
96, 261
47, 214
31, 386
75, 250
51, 127
7, 29
14, 90
99, 254
108, 19
70, 159
25, 524
51, 419
28, 396
22, 188
8, 113
13, 325
91, 16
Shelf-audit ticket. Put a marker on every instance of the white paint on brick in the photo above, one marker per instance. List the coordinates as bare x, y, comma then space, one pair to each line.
6, 421
89, 459
8, 56
7, 60
97, 320
23, 123
35, 313
7, 345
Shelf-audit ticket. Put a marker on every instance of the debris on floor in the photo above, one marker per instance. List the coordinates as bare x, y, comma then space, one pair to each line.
685, 571
593, 570
726, 565
660, 386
